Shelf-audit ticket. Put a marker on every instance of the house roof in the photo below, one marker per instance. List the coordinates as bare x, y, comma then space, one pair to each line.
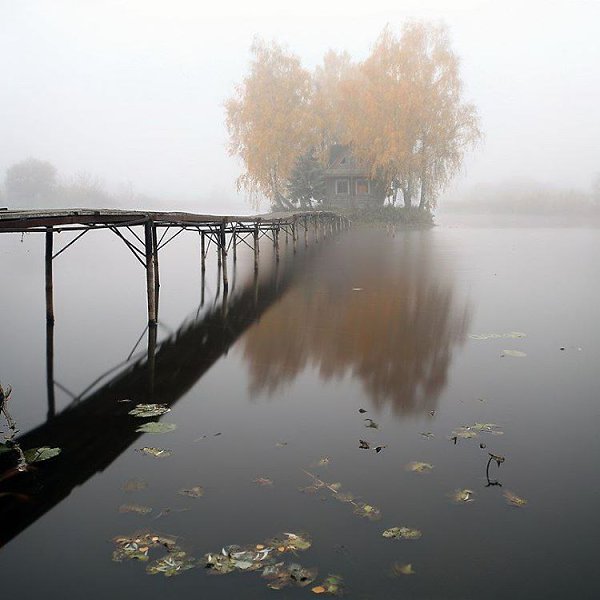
343, 164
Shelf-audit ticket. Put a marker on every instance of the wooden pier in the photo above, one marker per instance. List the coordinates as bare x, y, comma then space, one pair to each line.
146, 233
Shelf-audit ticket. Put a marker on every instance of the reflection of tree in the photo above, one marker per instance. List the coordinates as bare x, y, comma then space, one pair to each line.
396, 335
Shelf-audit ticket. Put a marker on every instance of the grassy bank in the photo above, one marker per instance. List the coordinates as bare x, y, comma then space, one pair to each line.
409, 218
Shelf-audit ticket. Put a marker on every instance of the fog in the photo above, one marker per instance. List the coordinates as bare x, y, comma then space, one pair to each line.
132, 93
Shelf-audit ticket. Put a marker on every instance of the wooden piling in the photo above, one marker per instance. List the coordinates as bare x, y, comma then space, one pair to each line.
305, 231
50, 368
294, 234
49, 284
276, 241
203, 250
234, 242
156, 269
223, 245
150, 272
256, 246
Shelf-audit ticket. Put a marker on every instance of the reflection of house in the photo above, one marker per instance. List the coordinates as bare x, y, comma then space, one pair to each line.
348, 184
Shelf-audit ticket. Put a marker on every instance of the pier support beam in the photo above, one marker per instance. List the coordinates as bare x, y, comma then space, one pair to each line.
256, 246
49, 284
223, 248
150, 273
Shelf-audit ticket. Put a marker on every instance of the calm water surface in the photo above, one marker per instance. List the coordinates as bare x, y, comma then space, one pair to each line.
280, 370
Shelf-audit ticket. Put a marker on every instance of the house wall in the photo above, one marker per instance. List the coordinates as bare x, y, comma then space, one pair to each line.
351, 199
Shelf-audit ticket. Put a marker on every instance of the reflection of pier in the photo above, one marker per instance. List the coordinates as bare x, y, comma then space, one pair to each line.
96, 429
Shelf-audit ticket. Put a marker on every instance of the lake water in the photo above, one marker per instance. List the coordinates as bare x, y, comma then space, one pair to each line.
266, 386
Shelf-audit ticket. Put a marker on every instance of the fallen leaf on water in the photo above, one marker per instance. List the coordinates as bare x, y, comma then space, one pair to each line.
345, 497
165, 512
402, 569
378, 449
371, 423
514, 500
39, 454
497, 336
364, 445
134, 485
156, 452
137, 546
427, 434
135, 508
333, 585
195, 492
405, 533
322, 462
464, 433
149, 410
281, 444
513, 353
463, 496
419, 467
156, 427
362, 411
263, 481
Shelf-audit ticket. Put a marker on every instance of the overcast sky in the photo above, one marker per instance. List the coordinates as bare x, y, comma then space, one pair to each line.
133, 91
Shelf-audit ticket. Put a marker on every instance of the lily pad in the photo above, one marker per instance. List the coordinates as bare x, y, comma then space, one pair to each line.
282, 575
290, 541
149, 410
514, 500
332, 585
39, 454
402, 569
513, 353
156, 427
368, 511
195, 492
155, 452
135, 508
137, 547
463, 496
404, 533
419, 467
134, 485
264, 481
174, 563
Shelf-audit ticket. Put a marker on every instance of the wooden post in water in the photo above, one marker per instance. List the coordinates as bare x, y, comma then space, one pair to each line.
305, 231
234, 242
223, 244
315, 222
276, 241
294, 234
256, 246
203, 250
49, 284
156, 269
150, 272
50, 368
152, 335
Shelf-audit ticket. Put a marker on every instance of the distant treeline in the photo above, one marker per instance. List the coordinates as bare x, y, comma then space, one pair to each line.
526, 197
34, 183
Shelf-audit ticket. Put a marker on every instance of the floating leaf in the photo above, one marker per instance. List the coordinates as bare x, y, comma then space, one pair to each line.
333, 585
497, 336
427, 434
149, 410
281, 444
368, 511
463, 496
134, 485
402, 569
419, 467
345, 497
513, 353
135, 508
322, 462
34, 455
174, 563
364, 445
137, 547
378, 449
156, 427
514, 500
405, 533
464, 433
371, 423
282, 575
362, 411
290, 541
156, 452
263, 481
195, 492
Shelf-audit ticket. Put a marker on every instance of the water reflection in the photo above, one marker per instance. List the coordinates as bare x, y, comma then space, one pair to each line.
382, 310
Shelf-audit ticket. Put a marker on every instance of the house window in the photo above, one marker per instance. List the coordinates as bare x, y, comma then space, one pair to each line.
342, 186
362, 187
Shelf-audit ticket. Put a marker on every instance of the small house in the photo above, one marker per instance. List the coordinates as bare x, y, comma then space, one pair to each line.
348, 185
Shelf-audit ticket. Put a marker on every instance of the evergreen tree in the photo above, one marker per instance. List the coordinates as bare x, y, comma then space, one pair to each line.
307, 182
